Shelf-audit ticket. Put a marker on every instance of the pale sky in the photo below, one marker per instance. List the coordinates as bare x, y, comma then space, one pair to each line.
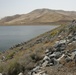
12, 7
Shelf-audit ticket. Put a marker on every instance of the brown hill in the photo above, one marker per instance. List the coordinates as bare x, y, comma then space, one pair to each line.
40, 16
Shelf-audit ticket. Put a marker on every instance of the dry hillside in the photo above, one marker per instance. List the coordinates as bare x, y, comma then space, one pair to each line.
40, 16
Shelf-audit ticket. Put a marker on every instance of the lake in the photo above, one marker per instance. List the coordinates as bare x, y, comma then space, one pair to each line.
12, 35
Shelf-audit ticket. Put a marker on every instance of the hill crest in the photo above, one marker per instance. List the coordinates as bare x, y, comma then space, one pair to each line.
40, 16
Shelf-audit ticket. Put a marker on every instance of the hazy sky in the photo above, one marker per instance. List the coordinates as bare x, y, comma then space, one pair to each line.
12, 7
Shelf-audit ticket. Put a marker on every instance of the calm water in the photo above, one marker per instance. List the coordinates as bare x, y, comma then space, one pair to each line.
11, 35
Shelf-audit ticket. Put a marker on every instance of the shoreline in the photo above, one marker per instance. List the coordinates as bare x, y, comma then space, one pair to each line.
30, 25
26, 42
35, 52
34, 39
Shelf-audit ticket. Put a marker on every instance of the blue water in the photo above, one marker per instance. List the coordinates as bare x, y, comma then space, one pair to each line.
12, 35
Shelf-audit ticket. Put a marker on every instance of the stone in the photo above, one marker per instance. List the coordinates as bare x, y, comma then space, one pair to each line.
62, 41
54, 61
0, 73
39, 73
68, 59
36, 68
61, 57
52, 55
73, 54
45, 63
57, 54
74, 38
20, 73
46, 51
46, 58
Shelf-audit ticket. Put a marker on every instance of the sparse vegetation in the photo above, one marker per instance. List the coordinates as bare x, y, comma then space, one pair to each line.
35, 57
25, 57
14, 68
1, 68
10, 55
55, 32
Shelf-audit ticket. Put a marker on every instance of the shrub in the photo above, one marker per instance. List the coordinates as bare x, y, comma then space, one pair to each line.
10, 56
53, 33
14, 68
1, 69
35, 57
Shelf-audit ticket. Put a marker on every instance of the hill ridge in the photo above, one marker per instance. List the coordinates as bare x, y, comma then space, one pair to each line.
40, 16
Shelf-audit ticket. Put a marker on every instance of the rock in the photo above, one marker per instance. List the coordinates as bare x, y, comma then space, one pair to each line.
62, 61
59, 36
75, 34
36, 68
39, 73
69, 36
60, 57
55, 55
20, 73
47, 51
63, 47
46, 58
75, 59
0, 73
45, 63
3, 57
74, 38
69, 44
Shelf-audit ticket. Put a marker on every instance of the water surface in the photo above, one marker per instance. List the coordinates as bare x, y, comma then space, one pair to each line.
12, 35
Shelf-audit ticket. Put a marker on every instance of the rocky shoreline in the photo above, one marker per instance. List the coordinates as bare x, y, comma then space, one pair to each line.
52, 53
57, 57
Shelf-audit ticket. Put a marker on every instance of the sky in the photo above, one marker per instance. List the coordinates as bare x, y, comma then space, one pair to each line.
12, 7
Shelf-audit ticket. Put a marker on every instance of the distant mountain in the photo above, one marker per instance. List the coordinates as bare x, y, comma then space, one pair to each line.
40, 16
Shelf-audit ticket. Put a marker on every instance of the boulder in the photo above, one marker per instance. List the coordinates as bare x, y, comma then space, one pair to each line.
54, 61
73, 54
39, 73
57, 54
52, 55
